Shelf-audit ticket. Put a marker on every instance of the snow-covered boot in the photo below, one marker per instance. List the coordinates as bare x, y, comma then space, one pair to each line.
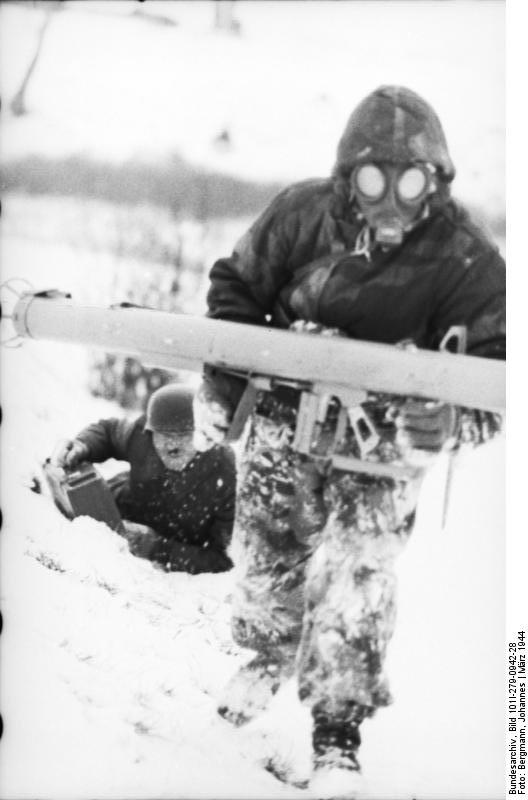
336, 770
250, 690
336, 783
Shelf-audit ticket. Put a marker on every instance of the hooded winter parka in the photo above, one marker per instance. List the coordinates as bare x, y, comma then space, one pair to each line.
305, 259
192, 509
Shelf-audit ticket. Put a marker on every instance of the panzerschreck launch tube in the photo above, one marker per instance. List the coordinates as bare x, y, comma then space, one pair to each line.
330, 365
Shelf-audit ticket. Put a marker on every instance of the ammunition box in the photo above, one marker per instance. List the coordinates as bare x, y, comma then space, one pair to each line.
83, 492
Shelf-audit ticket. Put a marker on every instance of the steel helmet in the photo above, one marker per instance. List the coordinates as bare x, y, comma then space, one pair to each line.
169, 410
394, 124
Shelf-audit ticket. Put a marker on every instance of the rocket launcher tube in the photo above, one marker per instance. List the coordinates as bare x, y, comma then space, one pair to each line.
329, 365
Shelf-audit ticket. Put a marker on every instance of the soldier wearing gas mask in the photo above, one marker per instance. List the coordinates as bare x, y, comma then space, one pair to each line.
381, 252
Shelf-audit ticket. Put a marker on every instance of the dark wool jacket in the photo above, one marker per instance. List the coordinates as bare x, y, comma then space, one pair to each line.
192, 510
298, 262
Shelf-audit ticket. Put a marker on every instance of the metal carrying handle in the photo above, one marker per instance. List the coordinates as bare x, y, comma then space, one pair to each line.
456, 334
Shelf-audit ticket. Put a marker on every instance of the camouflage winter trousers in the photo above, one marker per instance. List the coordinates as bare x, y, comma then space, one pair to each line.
314, 550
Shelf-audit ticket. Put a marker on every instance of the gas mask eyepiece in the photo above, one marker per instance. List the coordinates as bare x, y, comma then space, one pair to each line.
392, 197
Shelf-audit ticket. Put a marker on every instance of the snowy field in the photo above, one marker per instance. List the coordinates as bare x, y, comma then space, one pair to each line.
111, 668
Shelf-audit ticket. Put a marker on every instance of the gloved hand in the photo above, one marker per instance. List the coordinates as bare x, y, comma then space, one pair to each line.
306, 326
213, 406
426, 425
68, 453
142, 539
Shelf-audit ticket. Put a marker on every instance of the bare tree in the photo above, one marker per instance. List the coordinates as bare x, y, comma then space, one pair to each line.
18, 103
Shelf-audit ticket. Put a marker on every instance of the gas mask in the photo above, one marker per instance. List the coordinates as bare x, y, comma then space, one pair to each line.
392, 198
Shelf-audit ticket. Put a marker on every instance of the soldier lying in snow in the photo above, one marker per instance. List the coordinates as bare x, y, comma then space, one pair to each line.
178, 505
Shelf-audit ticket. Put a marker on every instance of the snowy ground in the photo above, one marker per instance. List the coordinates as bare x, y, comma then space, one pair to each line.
111, 668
